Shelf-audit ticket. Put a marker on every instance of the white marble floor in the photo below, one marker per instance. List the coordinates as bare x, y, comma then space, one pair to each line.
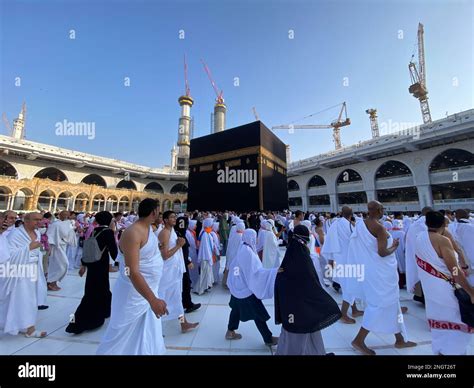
208, 338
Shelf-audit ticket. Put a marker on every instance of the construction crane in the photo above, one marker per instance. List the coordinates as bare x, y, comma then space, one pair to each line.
219, 94
7, 124
418, 77
335, 125
186, 83
255, 114
374, 125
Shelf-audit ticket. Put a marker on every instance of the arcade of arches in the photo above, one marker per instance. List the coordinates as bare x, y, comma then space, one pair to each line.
50, 190
451, 184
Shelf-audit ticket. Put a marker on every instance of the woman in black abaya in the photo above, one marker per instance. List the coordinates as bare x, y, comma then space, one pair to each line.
96, 303
301, 305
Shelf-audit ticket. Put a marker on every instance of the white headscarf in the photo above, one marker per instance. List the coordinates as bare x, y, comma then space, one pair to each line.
246, 275
249, 237
192, 224
265, 226
207, 246
234, 243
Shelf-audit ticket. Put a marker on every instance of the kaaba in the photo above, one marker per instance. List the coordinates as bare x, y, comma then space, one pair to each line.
242, 169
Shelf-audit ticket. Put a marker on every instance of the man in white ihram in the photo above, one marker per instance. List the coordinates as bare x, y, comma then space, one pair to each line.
335, 248
373, 248
18, 292
135, 324
60, 235
171, 285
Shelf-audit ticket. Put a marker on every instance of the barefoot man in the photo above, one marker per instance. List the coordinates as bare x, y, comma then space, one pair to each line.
171, 285
374, 249
137, 310
335, 251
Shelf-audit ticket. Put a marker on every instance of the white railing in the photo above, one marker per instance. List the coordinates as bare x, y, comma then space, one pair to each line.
459, 200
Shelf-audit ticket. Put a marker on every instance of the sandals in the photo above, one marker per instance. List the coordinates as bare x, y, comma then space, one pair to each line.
36, 334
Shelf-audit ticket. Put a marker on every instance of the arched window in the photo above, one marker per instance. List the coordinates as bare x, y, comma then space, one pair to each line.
316, 181
293, 185
98, 203
129, 185
348, 176
94, 179
452, 158
23, 199
51, 173
179, 189
5, 193
392, 169
6, 169
64, 201
80, 204
46, 200
154, 187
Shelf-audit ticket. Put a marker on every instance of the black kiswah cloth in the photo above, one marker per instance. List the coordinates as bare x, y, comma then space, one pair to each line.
301, 304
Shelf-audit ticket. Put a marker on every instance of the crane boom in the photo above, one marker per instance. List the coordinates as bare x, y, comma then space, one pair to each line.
421, 53
186, 83
255, 114
219, 94
335, 125
7, 124
302, 126
418, 78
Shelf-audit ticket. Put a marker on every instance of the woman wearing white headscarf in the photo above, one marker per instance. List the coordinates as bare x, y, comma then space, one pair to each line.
235, 239
234, 243
264, 228
312, 252
193, 252
249, 283
271, 254
217, 262
207, 248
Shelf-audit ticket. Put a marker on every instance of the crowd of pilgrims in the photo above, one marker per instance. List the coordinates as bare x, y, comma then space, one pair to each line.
163, 259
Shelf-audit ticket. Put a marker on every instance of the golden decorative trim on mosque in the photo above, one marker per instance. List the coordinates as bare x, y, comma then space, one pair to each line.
186, 99
205, 167
78, 196
233, 163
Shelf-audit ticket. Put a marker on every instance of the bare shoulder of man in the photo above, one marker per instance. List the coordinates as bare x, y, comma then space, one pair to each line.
378, 229
164, 235
444, 240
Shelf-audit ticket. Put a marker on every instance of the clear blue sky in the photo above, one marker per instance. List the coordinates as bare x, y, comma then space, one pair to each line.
285, 79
